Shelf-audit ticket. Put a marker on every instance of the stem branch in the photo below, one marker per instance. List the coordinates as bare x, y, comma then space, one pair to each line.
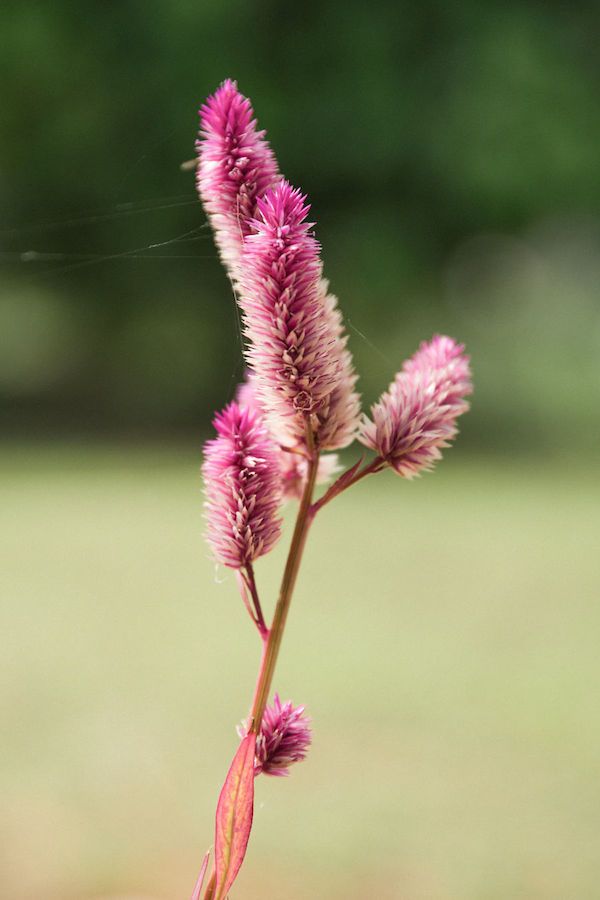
251, 584
343, 482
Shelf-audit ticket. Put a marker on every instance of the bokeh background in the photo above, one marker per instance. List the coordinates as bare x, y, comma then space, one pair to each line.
445, 632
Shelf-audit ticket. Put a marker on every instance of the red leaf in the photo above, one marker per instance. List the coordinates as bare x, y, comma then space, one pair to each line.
234, 817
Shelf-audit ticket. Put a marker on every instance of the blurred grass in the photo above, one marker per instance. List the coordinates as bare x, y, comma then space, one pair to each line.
443, 637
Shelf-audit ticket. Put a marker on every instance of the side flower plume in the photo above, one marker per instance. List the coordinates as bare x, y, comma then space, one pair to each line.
416, 417
235, 166
297, 349
243, 488
283, 739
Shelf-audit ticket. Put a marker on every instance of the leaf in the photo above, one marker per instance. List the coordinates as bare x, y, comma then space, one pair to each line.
200, 881
234, 817
210, 888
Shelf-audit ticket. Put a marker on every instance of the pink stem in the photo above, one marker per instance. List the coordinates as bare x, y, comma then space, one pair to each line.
260, 619
343, 483
275, 634
243, 586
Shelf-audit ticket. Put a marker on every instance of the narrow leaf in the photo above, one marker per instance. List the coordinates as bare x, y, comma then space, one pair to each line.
234, 817
210, 889
200, 881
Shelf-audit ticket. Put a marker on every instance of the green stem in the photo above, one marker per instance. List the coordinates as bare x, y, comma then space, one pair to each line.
273, 641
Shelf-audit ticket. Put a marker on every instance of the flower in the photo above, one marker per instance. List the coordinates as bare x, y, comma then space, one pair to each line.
235, 166
243, 488
293, 465
416, 416
283, 739
297, 349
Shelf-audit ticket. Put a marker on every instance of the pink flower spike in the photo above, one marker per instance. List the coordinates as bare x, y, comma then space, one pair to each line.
284, 738
416, 417
235, 167
243, 489
297, 348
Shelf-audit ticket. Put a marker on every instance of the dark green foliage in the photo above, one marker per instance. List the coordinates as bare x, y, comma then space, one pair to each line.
412, 127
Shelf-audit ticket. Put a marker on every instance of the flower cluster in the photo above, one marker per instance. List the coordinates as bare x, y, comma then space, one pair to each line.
300, 395
243, 489
283, 739
416, 416
298, 400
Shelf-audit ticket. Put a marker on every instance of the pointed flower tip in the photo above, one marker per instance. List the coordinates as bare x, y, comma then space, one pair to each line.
232, 419
220, 104
416, 417
283, 206
284, 738
235, 166
439, 353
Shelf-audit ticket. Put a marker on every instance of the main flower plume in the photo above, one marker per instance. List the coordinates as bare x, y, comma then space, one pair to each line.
416, 417
243, 488
297, 349
235, 166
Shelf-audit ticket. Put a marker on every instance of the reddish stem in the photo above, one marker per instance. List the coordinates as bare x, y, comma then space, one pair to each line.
275, 634
343, 483
259, 618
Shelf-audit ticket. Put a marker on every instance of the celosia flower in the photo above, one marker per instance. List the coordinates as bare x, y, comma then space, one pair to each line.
293, 466
235, 167
283, 739
297, 350
243, 488
416, 416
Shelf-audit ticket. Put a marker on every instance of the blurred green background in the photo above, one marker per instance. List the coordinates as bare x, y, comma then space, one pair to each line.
444, 633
